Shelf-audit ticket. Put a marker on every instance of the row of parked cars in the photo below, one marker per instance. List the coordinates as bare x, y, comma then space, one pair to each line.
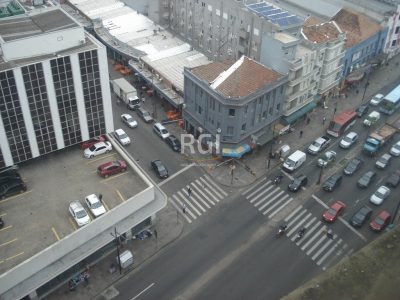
79, 213
11, 182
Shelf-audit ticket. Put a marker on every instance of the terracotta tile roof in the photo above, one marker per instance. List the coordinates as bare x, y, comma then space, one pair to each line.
357, 26
248, 77
321, 33
312, 20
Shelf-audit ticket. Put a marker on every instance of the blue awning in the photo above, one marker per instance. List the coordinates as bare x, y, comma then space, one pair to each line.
236, 152
299, 113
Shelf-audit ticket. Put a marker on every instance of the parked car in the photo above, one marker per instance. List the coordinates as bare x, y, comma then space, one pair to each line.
122, 137
380, 221
160, 130
12, 187
394, 179
5, 177
362, 110
79, 214
97, 149
376, 99
144, 114
353, 166
174, 143
91, 142
159, 168
95, 206
349, 140
111, 168
362, 215
380, 195
336, 209
332, 182
129, 120
383, 161
395, 150
297, 183
326, 158
366, 179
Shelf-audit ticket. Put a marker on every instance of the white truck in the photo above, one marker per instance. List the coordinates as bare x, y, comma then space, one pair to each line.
125, 92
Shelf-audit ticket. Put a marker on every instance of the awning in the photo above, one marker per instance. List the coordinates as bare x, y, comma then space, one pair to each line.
299, 113
236, 152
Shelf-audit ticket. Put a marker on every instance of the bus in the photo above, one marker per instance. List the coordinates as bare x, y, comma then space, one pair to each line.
390, 102
342, 122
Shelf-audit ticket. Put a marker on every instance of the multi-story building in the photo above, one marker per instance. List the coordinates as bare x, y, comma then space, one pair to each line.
229, 29
237, 100
54, 86
365, 39
392, 46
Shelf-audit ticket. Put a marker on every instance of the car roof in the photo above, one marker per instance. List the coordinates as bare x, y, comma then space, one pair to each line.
383, 188
383, 214
127, 116
76, 205
379, 96
352, 134
99, 144
337, 204
364, 209
120, 131
92, 198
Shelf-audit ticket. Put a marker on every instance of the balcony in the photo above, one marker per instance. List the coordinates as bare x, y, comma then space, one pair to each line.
243, 33
296, 65
243, 48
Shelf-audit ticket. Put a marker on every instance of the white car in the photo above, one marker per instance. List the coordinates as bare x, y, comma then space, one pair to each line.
122, 137
97, 149
325, 159
348, 140
129, 120
95, 206
79, 213
381, 194
383, 161
376, 99
395, 150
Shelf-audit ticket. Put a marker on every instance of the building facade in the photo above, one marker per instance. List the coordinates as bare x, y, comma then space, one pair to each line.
229, 29
392, 46
54, 86
237, 100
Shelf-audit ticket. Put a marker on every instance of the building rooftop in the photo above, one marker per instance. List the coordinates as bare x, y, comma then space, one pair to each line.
356, 26
236, 79
275, 14
285, 37
15, 28
321, 33
320, 8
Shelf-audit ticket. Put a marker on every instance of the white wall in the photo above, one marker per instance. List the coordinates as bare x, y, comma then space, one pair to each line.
43, 44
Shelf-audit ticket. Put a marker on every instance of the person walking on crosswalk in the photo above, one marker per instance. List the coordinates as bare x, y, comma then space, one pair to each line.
184, 208
189, 191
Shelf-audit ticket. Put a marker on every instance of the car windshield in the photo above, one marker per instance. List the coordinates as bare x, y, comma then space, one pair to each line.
347, 139
397, 147
164, 131
379, 194
290, 162
81, 214
123, 136
146, 114
95, 205
358, 217
296, 181
332, 211
316, 144
379, 221
130, 120
92, 148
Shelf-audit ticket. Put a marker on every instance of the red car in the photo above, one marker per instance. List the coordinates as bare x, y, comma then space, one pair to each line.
334, 211
380, 221
111, 168
92, 141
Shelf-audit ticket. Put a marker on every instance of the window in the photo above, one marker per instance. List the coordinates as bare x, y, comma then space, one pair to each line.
230, 130
278, 106
231, 112
244, 127
246, 108
199, 109
397, 30
394, 43
270, 110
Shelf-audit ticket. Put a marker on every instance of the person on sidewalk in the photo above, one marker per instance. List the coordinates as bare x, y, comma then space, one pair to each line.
300, 133
323, 120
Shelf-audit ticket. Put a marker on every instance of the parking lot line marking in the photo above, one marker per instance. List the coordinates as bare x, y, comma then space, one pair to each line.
14, 256
9, 242
15, 196
55, 233
113, 177
105, 204
72, 223
7, 227
176, 174
120, 195
100, 158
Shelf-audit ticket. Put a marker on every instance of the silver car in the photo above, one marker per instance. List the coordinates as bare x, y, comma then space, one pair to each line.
348, 140
383, 161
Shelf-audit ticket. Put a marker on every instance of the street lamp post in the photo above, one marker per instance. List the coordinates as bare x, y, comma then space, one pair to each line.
270, 147
320, 174
365, 90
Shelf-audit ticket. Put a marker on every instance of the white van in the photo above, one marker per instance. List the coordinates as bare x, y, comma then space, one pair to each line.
294, 161
372, 118
160, 130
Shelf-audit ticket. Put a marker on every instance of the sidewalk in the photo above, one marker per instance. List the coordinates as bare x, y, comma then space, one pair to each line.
257, 161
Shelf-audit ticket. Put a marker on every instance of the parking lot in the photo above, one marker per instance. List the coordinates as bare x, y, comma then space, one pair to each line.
40, 217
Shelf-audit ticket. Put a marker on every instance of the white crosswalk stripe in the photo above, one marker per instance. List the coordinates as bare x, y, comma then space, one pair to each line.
204, 195
269, 199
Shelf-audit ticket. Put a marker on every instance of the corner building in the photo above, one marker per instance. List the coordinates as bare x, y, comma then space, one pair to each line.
54, 90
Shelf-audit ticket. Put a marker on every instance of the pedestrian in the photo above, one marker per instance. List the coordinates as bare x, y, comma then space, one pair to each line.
329, 235
300, 134
155, 233
323, 120
184, 208
189, 191
143, 99
100, 197
308, 120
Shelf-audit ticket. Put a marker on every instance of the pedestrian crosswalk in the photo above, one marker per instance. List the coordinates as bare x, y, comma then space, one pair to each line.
194, 199
324, 250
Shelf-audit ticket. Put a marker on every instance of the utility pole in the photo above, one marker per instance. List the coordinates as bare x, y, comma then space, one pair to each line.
115, 235
365, 90
320, 174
